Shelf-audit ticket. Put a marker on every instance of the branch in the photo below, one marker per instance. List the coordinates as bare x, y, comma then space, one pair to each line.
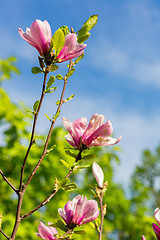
7, 181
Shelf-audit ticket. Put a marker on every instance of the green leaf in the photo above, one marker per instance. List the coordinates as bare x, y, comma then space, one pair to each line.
51, 149
87, 26
58, 102
57, 41
65, 30
53, 68
35, 106
79, 58
36, 70
59, 77
83, 38
47, 117
50, 82
69, 98
92, 224
71, 154
57, 115
85, 166
70, 72
70, 186
60, 225
82, 231
65, 181
51, 90
89, 156
65, 163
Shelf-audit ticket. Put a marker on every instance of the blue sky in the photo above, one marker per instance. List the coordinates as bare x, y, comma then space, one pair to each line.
119, 76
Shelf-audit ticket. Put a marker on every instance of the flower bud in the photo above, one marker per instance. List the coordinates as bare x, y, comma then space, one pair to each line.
98, 173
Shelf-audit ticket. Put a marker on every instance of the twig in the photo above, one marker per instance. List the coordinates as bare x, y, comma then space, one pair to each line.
47, 199
4, 234
102, 214
33, 128
50, 130
7, 181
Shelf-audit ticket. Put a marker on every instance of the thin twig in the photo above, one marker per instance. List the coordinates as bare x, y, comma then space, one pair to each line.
33, 129
50, 130
4, 234
102, 214
47, 199
7, 181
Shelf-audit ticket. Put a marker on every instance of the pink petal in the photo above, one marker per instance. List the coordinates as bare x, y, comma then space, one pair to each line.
45, 232
95, 122
78, 215
104, 130
157, 215
70, 140
102, 141
143, 237
98, 173
156, 230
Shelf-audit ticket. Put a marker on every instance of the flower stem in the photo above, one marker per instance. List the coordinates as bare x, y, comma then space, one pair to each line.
102, 214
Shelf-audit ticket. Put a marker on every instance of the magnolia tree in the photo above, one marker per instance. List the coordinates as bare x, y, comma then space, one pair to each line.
64, 45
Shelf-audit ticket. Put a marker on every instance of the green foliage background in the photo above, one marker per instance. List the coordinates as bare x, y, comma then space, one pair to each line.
126, 218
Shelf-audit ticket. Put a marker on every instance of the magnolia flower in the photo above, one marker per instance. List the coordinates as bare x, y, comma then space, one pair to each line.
46, 233
71, 48
156, 228
79, 211
38, 36
98, 173
97, 133
143, 237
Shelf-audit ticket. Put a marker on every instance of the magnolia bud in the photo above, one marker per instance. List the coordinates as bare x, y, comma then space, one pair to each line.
98, 173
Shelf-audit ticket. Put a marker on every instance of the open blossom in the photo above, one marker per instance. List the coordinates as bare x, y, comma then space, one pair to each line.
45, 232
98, 173
79, 211
38, 35
155, 227
97, 133
71, 48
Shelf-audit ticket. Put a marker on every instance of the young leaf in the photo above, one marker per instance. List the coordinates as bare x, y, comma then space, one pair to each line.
35, 106
82, 231
65, 163
70, 153
59, 77
70, 72
61, 225
36, 70
70, 186
65, 181
79, 58
53, 68
57, 41
83, 38
51, 90
57, 115
87, 26
89, 156
50, 82
65, 30
47, 117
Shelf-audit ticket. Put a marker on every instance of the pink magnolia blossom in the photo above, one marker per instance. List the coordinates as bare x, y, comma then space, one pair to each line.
38, 36
46, 233
155, 227
97, 133
98, 173
79, 211
71, 48
143, 237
